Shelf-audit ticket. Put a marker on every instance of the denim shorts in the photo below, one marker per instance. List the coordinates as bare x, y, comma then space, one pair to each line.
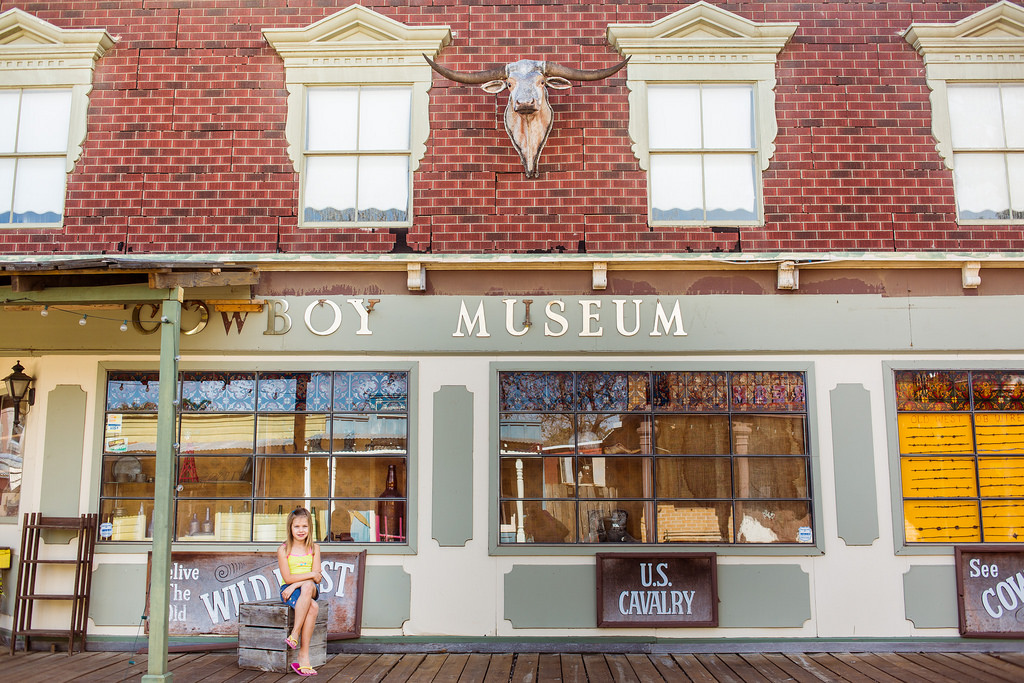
294, 598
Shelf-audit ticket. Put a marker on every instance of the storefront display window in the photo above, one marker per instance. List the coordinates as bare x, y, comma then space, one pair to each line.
654, 457
10, 460
961, 440
252, 446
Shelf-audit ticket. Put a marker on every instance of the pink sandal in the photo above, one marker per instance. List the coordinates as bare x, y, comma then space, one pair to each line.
293, 643
303, 670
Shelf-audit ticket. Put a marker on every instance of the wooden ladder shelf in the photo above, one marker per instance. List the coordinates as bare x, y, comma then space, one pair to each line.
28, 572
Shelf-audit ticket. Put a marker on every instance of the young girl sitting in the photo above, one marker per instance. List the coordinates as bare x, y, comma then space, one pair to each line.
298, 558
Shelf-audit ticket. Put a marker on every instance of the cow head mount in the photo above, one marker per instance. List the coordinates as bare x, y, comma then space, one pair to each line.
528, 114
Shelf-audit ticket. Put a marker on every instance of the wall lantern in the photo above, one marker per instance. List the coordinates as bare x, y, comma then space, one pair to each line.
19, 388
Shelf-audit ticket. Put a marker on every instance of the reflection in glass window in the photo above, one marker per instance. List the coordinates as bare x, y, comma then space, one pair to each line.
653, 457
253, 446
987, 132
10, 460
34, 127
702, 153
961, 441
357, 151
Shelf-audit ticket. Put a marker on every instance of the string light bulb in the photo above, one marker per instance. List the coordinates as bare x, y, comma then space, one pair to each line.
45, 312
82, 321
124, 326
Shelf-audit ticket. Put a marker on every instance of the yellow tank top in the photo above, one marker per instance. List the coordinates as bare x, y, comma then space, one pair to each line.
300, 564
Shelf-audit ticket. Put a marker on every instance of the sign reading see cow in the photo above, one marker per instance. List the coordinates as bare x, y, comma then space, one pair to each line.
528, 114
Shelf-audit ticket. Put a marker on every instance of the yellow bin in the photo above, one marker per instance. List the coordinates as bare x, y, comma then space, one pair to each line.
5, 558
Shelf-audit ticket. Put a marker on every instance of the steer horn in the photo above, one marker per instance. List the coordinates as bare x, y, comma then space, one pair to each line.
571, 74
465, 76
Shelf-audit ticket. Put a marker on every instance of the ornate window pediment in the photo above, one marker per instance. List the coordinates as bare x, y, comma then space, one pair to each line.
693, 65
45, 78
357, 67
974, 69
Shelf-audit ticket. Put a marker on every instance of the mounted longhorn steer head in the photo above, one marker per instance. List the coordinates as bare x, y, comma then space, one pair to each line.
528, 114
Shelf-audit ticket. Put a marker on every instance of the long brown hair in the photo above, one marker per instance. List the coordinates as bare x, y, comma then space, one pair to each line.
289, 540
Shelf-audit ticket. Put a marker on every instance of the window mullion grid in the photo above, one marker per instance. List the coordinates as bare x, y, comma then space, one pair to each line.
974, 448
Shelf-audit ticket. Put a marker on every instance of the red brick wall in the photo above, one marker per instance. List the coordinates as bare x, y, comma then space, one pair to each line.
186, 149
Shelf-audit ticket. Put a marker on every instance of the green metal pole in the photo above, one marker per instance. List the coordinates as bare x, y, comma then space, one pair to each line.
163, 500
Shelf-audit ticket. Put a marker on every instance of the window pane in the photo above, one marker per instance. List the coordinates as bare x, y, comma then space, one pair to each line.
218, 391
215, 477
11, 461
773, 522
288, 391
330, 192
694, 522
537, 477
981, 186
691, 434
1013, 114
371, 391
621, 521
331, 119
270, 518
296, 477
691, 391
384, 118
677, 191
945, 521
999, 433
217, 434
729, 192
548, 521
728, 116
131, 519
938, 477
768, 391
132, 434
534, 434
44, 121
366, 477
535, 390
975, 116
694, 478
6, 189
133, 391
355, 521
615, 477
771, 477
380, 434
673, 115
128, 476
1003, 520
1015, 170
932, 390
295, 433
614, 434
383, 188
39, 191
997, 390
613, 391
768, 435
9, 101
1001, 477
935, 433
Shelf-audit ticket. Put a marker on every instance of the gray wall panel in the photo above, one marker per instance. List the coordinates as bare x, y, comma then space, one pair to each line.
854, 464
452, 523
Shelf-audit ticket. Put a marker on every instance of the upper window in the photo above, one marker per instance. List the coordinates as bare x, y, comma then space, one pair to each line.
961, 444
654, 457
702, 112
975, 71
254, 446
357, 114
43, 105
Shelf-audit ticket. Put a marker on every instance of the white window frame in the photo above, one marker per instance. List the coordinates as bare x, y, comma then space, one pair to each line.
353, 47
985, 48
703, 44
36, 54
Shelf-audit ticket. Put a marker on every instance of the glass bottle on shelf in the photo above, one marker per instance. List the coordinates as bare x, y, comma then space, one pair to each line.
391, 511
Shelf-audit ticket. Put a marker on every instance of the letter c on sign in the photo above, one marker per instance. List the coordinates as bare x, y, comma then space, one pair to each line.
988, 608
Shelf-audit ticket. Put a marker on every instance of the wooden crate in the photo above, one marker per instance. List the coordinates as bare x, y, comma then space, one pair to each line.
262, 628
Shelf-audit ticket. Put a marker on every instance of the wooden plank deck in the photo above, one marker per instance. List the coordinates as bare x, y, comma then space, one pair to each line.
865, 667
